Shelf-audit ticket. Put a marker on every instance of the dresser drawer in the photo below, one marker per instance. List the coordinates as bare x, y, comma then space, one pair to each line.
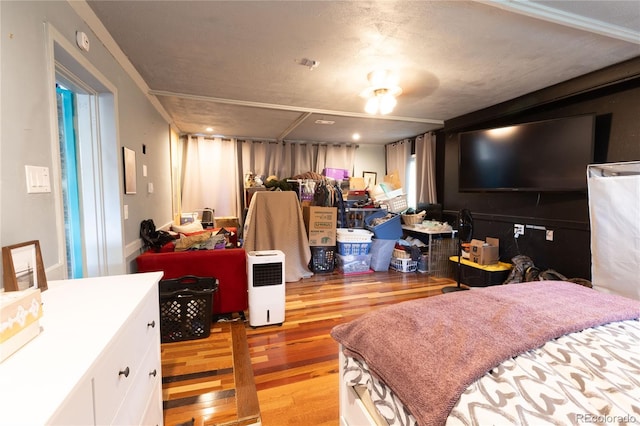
122, 362
144, 384
153, 415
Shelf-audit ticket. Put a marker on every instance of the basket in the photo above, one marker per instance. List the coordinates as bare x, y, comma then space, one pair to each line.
323, 259
404, 265
412, 219
349, 235
400, 254
396, 204
353, 248
185, 308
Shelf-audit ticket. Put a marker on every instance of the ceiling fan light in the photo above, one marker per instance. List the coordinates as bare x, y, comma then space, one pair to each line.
387, 103
371, 107
382, 78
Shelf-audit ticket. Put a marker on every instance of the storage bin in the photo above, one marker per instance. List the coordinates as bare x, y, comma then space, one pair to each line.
391, 229
397, 204
349, 235
323, 259
185, 308
354, 264
381, 253
404, 265
353, 248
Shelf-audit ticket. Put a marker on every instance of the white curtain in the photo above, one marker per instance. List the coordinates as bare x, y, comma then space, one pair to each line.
210, 176
289, 159
336, 157
398, 155
426, 168
263, 158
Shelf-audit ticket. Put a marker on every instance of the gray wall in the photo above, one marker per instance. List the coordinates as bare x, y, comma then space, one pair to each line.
28, 134
28, 131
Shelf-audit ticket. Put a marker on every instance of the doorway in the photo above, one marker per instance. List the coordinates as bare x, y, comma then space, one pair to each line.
70, 183
86, 166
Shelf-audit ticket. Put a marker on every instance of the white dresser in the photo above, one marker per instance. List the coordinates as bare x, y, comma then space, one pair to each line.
96, 360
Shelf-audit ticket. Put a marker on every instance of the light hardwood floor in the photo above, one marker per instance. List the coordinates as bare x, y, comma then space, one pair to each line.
295, 366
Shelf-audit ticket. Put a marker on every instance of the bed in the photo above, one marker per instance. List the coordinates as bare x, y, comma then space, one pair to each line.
546, 352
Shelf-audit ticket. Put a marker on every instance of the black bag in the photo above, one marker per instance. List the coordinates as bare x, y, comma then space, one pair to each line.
151, 238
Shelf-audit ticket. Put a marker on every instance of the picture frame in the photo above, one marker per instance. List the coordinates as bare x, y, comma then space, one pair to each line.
23, 267
129, 162
370, 179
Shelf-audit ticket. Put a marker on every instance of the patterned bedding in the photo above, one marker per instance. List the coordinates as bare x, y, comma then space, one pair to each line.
586, 377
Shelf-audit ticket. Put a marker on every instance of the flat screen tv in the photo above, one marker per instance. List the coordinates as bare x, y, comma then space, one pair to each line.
541, 156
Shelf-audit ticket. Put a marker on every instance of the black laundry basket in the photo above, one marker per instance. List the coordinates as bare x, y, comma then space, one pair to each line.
185, 308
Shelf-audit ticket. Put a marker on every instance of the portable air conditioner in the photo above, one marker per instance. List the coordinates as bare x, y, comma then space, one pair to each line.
265, 272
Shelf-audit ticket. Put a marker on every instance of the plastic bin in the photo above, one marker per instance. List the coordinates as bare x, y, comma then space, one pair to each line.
404, 265
353, 248
354, 264
389, 230
323, 259
381, 253
185, 308
350, 235
397, 204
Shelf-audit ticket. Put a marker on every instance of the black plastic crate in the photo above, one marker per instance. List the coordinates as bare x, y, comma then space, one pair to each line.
323, 258
185, 308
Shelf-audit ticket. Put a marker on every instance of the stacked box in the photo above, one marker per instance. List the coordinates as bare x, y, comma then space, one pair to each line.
485, 253
321, 225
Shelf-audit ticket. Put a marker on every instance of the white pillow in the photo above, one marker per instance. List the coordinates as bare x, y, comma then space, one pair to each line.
187, 228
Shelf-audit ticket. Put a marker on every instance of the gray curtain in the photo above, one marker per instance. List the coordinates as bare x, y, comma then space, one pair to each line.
398, 155
425, 168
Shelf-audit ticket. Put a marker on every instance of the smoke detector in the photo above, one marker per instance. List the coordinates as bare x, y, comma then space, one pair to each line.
310, 63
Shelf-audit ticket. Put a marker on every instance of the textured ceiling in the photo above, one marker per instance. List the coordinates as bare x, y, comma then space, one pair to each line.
234, 65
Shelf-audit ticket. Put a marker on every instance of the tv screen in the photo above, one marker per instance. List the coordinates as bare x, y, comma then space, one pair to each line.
550, 155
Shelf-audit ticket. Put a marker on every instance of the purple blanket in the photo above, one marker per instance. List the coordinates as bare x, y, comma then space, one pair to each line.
429, 351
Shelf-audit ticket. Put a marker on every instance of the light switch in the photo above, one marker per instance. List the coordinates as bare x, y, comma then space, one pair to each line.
150, 188
37, 179
144, 170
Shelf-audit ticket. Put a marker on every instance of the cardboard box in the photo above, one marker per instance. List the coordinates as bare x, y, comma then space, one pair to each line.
321, 225
357, 184
485, 252
20, 313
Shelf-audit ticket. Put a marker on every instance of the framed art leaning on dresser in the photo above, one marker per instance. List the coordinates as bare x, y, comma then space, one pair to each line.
23, 267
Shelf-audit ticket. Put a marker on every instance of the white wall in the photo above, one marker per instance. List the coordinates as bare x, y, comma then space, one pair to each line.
370, 158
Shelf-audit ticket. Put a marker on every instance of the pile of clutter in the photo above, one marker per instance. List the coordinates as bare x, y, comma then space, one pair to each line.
524, 270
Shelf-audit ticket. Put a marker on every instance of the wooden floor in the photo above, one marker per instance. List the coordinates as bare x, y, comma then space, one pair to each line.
295, 366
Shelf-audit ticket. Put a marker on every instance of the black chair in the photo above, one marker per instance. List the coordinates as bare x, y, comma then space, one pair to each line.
464, 224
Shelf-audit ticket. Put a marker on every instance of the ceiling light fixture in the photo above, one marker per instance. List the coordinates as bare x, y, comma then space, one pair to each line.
381, 95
